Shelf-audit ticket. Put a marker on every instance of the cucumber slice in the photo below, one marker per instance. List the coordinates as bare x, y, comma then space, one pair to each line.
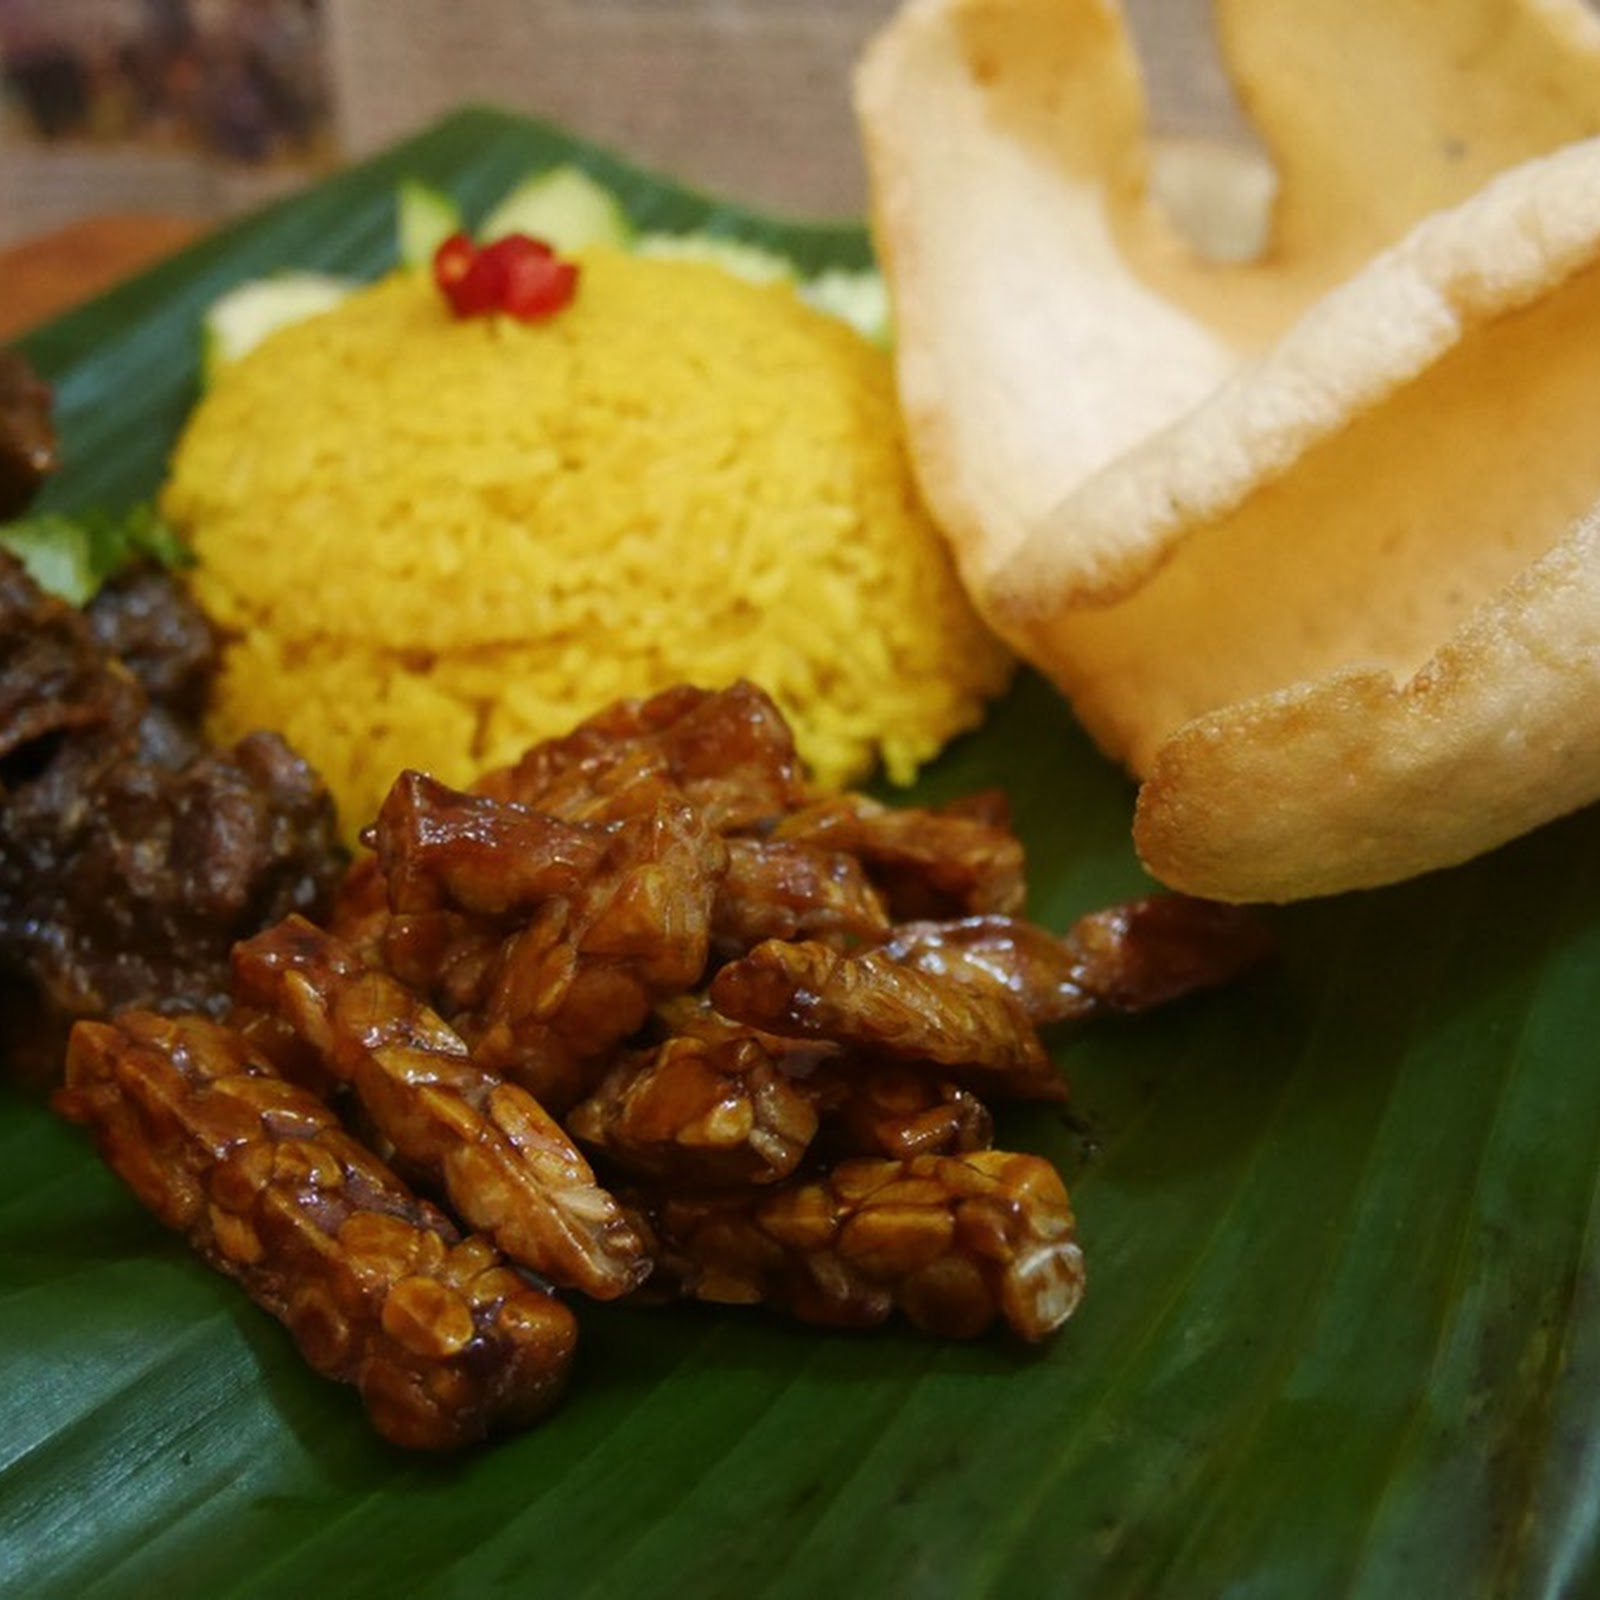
749, 261
245, 315
860, 298
424, 218
565, 207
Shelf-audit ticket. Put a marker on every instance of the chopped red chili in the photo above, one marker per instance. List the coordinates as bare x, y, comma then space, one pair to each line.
518, 275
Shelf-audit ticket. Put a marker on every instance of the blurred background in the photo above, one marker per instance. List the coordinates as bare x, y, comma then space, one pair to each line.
204, 108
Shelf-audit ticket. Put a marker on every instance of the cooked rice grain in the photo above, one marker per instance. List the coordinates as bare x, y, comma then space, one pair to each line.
436, 541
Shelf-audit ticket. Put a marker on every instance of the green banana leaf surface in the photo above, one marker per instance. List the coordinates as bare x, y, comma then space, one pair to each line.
1342, 1331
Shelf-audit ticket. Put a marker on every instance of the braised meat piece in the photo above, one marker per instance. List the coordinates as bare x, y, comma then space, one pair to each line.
950, 1242
28, 448
444, 1341
53, 680
504, 1163
129, 861
155, 629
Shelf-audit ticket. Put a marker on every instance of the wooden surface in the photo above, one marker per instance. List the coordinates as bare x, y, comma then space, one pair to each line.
51, 274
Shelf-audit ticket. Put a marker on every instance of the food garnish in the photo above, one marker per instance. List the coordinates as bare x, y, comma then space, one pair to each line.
779, 1086
569, 210
1306, 540
522, 277
425, 216
564, 206
239, 320
71, 556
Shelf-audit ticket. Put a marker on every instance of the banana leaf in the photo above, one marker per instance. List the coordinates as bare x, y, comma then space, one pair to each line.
1342, 1334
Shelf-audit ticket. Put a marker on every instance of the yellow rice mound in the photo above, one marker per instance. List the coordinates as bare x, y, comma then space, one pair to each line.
435, 541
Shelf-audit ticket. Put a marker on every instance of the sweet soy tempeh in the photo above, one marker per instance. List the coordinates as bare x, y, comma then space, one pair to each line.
442, 1338
696, 1030
505, 1163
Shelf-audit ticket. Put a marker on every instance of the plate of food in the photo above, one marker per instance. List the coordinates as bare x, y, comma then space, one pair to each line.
1043, 1230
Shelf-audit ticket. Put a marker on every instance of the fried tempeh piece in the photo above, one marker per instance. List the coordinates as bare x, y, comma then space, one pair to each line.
1129, 957
506, 1165
440, 848
865, 1108
894, 1111
544, 943
454, 876
699, 1113
951, 1242
872, 1003
729, 752
443, 1340
583, 975
1146, 952
1039, 970
959, 860
360, 912
784, 889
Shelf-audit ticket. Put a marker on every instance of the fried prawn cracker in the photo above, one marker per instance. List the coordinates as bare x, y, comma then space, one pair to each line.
1493, 735
1234, 493
1353, 495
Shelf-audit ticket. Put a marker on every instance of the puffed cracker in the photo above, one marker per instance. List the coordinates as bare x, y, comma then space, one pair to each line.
1299, 514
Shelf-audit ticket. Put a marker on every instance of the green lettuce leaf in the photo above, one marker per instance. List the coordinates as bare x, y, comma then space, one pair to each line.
72, 554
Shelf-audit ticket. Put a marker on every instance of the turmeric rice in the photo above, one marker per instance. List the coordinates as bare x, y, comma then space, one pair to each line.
435, 541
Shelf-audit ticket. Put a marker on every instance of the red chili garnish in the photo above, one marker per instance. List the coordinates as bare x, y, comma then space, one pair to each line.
451, 260
481, 288
537, 280
518, 275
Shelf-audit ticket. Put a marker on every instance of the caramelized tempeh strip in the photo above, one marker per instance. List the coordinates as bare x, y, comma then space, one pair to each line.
581, 977
1144, 953
872, 1003
505, 1163
442, 1339
544, 943
698, 1113
865, 1108
896, 1112
951, 1242
953, 861
439, 848
1040, 971
1129, 957
729, 752
783, 889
